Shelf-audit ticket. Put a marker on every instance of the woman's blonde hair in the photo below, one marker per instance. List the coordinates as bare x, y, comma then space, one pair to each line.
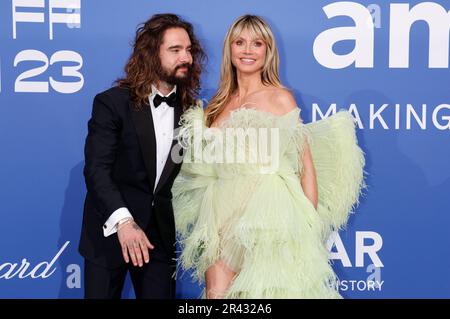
228, 79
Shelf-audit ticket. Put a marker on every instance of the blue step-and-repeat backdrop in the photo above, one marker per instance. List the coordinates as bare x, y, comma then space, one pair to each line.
385, 61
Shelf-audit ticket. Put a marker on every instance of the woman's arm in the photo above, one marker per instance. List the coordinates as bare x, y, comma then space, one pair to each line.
282, 102
308, 178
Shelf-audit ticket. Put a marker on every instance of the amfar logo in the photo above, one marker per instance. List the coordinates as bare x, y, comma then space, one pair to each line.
373, 282
402, 17
361, 249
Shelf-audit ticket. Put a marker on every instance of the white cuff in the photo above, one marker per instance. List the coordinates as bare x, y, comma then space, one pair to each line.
110, 227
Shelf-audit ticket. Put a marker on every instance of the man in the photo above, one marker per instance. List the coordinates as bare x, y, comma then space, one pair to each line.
128, 222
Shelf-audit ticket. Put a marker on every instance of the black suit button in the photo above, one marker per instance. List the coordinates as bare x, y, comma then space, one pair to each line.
104, 226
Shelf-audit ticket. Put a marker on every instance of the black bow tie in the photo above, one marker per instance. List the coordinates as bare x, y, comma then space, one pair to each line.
171, 100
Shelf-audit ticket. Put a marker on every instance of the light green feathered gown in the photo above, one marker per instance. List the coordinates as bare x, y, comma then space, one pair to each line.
254, 215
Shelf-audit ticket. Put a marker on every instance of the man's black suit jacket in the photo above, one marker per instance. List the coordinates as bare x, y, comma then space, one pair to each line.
120, 171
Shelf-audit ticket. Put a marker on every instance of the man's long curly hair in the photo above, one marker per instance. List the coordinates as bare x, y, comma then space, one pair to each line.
144, 66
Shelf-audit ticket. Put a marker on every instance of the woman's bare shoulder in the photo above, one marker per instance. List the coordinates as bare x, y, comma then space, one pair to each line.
281, 101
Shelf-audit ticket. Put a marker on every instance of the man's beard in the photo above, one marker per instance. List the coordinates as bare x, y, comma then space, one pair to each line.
171, 77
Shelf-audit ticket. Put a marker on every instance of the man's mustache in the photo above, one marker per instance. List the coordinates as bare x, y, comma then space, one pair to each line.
184, 65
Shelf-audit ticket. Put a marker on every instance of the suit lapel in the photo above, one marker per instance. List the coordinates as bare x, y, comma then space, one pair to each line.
145, 130
170, 164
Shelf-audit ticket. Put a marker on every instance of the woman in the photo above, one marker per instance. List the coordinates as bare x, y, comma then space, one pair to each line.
257, 228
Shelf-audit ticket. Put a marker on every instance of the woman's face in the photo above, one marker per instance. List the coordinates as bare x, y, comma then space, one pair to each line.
248, 54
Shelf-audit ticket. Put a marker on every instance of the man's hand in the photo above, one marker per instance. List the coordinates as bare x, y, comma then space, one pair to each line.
135, 243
